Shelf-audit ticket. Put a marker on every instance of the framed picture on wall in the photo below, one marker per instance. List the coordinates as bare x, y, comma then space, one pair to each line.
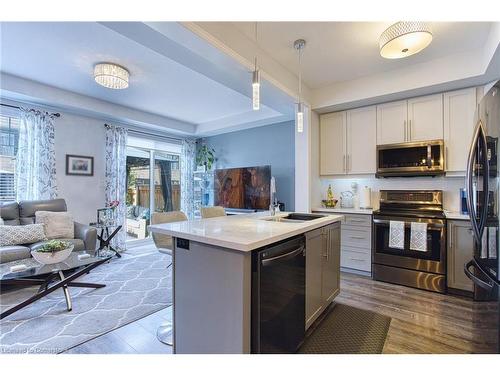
78, 165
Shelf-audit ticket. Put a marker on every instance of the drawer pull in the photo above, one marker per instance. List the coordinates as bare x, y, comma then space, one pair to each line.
357, 221
358, 260
357, 237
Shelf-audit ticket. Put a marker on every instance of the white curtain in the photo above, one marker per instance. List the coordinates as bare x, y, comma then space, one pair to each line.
36, 161
188, 157
116, 176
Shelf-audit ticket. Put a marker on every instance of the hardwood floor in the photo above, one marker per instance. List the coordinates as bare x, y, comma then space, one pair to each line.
422, 322
138, 337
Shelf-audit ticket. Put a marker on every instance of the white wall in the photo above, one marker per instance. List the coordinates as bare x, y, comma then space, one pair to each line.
79, 135
450, 186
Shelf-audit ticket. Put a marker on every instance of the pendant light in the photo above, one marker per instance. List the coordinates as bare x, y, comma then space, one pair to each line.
299, 45
404, 39
256, 80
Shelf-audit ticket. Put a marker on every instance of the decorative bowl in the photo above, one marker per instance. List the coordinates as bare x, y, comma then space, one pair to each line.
329, 203
53, 257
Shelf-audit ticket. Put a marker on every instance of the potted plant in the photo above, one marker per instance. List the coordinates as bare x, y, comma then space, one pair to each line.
52, 252
205, 157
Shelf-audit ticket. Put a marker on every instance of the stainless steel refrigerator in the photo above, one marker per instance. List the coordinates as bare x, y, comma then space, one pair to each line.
483, 198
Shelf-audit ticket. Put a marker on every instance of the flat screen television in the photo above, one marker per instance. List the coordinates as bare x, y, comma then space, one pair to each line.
247, 187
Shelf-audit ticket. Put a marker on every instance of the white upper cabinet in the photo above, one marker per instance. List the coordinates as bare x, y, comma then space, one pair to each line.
391, 122
361, 133
425, 118
459, 108
348, 139
332, 133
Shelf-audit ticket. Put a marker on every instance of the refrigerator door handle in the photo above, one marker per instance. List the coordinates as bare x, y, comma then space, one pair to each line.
486, 176
488, 286
469, 182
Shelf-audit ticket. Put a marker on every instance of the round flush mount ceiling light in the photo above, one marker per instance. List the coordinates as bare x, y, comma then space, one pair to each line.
111, 76
404, 39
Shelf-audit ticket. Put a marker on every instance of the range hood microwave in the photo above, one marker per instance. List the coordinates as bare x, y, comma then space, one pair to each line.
411, 159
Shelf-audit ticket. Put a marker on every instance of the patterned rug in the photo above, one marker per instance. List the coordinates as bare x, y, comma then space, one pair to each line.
135, 287
348, 330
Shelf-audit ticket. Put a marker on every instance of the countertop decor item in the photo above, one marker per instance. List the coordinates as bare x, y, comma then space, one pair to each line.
330, 201
365, 200
346, 199
52, 252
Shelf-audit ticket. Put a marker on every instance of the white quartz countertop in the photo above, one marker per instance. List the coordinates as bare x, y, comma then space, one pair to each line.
340, 210
453, 215
241, 232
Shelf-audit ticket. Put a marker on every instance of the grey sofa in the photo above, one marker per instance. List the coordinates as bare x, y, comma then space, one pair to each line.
23, 213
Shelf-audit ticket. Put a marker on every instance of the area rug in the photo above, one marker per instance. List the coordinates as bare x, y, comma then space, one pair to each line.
135, 287
348, 330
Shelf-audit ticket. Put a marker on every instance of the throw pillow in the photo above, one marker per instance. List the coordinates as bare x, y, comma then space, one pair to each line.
21, 234
57, 224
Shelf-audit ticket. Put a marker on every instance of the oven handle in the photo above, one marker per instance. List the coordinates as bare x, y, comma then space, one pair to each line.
429, 225
291, 254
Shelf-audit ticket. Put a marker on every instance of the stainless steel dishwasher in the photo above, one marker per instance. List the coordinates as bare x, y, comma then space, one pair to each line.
278, 297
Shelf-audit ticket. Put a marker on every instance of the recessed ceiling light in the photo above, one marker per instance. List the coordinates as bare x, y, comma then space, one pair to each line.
404, 39
111, 76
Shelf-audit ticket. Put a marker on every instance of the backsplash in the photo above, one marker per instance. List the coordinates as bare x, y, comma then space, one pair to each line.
449, 185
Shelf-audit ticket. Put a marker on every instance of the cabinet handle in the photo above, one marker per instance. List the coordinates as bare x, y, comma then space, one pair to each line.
347, 163
357, 259
327, 232
452, 227
357, 237
404, 128
356, 221
446, 157
343, 165
409, 131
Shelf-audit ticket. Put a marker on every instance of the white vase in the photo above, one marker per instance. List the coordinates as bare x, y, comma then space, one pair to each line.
54, 257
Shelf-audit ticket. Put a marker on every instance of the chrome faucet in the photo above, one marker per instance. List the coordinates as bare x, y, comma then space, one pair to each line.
274, 203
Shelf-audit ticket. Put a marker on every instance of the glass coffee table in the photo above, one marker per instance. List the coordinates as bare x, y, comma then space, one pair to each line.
50, 277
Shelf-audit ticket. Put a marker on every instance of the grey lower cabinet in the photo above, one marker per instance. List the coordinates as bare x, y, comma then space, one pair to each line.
322, 269
356, 254
460, 251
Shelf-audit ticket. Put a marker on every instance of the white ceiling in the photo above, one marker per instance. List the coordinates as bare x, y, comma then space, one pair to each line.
343, 51
63, 55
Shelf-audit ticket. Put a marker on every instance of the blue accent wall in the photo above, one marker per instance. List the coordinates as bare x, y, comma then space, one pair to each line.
272, 145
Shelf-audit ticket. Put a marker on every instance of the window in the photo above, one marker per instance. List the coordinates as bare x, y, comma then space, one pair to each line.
153, 182
9, 140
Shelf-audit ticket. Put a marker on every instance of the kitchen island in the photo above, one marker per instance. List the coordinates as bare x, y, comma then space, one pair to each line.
214, 268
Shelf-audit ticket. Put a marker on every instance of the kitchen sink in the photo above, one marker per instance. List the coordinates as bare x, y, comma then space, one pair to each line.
294, 217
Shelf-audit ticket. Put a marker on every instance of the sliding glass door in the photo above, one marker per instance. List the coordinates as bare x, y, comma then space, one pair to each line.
153, 183
138, 192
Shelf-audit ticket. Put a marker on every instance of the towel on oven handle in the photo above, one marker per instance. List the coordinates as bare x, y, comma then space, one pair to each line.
418, 236
397, 234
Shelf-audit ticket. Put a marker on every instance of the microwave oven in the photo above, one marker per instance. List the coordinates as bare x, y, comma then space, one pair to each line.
411, 159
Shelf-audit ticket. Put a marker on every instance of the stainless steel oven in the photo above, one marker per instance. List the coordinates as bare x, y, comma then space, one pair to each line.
405, 266
411, 159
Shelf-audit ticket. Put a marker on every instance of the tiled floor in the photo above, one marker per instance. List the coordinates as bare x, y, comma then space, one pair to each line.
138, 337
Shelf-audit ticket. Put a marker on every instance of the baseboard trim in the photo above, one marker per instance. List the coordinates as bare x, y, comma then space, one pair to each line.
356, 272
